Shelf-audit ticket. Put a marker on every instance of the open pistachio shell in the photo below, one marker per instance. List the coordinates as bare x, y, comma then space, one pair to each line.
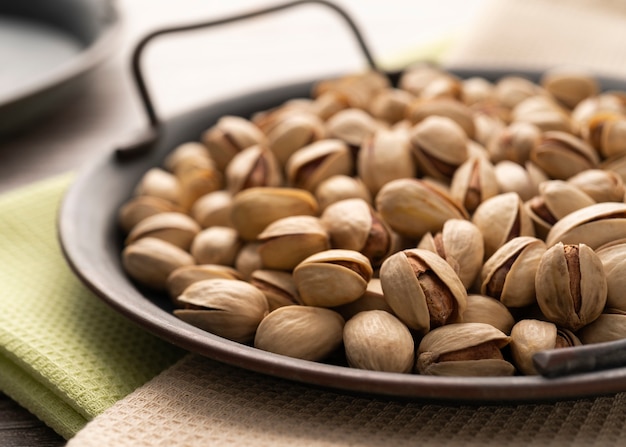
515, 142
390, 105
229, 308
253, 166
474, 182
304, 332
184, 276
352, 126
599, 184
543, 112
423, 108
413, 207
562, 155
292, 132
569, 87
278, 287
376, 340
138, 208
176, 228
333, 277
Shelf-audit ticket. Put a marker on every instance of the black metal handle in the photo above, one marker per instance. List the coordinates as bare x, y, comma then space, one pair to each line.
138, 76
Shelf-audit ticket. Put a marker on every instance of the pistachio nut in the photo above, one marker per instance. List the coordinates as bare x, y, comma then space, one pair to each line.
500, 219
543, 112
176, 228
512, 177
477, 90
353, 224
601, 185
571, 286
390, 105
186, 275
488, 127
422, 289
287, 241
138, 208
446, 86
589, 107
332, 277
485, 309
328, 104
278, 287
461, 244
569, 87
607, 327
157, 182
191, 153
594, 225
197, 180
613, 258
253, 166
340, 187
509, 274
413, 207
314, 163
292, 132
439, 145
149, 261
556, 199
376, 340
562, 155
216, 245
228, 308
212, 209
358, 89
303, 332
229, 136
416, 77
420, 109
512, 90
531, 336
254, 209
464, 349
514, 142
352, 126
606, 132
372, 299
248, 259
474, 182
385, 156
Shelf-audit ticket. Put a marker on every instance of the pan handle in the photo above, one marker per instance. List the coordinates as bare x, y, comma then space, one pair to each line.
145, 141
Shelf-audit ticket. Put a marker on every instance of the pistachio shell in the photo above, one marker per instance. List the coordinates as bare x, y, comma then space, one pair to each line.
390, 105
189, 153
512, 177
529, 337
229, 308
458, 112
292, 132
607, 327
543, 112
372, 299
613, 258
252, 167
140, 207
162, 184
378, 341
214, 208
515, 142
413, 207
606, 133
197, 179
248, 259
333, 277
562, 155
278, 287
340, 187
601, 185
474, 182
304, 332
352, 126
184, 276
569, 86
150, 261
485, 309
216, 245
512, 90
255, 208
176, 228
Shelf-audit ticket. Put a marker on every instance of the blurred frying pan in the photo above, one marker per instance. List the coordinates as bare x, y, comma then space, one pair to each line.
46, 50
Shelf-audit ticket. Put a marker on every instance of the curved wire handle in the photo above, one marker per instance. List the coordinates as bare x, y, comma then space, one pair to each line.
138, 76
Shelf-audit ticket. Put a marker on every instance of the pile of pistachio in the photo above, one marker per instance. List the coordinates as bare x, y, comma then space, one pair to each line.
443, 226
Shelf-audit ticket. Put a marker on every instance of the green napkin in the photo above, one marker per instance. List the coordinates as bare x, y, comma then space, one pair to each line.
64, 354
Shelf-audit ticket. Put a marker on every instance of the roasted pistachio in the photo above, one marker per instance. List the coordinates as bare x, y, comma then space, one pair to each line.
340, 187
253, 166
511, 90
352, 126
191, 153
601, 185
184, 276
216, 245
485, 309
292, 132
372, 299
474, 182
332, 277
420, 109
378, 341
569, 86
477, 90
607, 327
606, 132
512, 177
213, 208
613, 258
422, 289
278, 287
390, 105
176, 228
229, 308
464, 349
304, 332
314, 163
562, 155
543, 112
138, 208
157, 182
248, 259
571, 286
416, 77
514, 142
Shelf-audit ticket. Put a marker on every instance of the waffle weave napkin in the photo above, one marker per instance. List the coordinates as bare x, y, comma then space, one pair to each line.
64, 355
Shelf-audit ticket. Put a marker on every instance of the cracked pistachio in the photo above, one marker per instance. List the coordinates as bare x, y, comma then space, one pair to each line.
613, 258
332, 277
292, 132
287, 241
229, 136
216, 245
500, 219
485, 309
184, 276
594, 225
353, 224
140, 207
159, 183
190, 153
318, 161
543, 112
303, 332
461, 244
254, 209
228, 308
531, 336
562, 155
462, 115
447, 86
351, 126
606, 132
512, 177
385, 156
253, 167
328, 104
266, 120
149, 261
278, 287
509, 274
514, 142
212, 209
589, 107
176, 228
512, 90
609, 326
341, 187
413, 207
416, 77
569, 87
600, 185
422, 289
357, 89
464, 349
474, 182
439, 145
390, 105
376, 340
198, 180
571, 286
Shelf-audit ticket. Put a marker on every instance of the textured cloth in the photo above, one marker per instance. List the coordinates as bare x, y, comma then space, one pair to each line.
64, 355
199, 402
